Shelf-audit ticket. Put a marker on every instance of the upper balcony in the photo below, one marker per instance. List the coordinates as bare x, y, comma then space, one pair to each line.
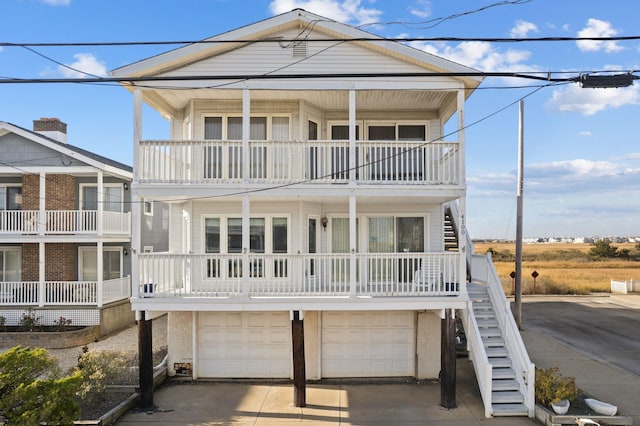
64, 222
207, 162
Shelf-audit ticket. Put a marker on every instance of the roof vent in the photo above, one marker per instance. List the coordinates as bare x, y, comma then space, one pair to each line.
300, 49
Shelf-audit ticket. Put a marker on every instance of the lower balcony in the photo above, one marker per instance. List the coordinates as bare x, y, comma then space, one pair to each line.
163, 275
64, 293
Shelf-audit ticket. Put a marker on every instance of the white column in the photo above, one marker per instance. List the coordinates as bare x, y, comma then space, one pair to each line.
42, 212
462, 207
135, 200
352, 247
100, 203
41, 272
100, 273
246, 245
246, 132
352, 136
461, 138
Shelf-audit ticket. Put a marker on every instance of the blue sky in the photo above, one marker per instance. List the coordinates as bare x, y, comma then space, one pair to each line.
582, 152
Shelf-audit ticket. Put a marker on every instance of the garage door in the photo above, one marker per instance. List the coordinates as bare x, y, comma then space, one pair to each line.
244, 345
368, 344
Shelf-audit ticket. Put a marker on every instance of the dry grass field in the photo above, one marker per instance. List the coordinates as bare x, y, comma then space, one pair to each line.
563, 268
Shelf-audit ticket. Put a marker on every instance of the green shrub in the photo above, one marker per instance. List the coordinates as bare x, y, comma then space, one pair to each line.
3, 322
551, 386
29, 321
100, 369
32, 390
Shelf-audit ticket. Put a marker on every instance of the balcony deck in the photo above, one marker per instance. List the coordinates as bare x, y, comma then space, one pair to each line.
64, 293
299, 276
276, 162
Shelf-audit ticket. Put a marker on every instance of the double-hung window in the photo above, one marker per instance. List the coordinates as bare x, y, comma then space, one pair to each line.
10, 264
223, 155
10, 197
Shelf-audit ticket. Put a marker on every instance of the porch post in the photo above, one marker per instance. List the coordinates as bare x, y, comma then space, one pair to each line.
100, 203
246, 245
461, 137
352, 136
352, 247
42, 208
448, 360
135, 200
41, 272
246, 133
100, 273
145, 363
299, 374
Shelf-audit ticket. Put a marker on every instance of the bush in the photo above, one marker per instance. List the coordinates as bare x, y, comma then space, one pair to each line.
603, 248
551, 386
29, 321
32, 390
100, 369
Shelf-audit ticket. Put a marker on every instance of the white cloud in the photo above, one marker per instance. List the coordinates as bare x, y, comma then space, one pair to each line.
347, 11
522, 28
573, 98
585, 133
480, 55
598, 28
421, 9
57, 2
85, 65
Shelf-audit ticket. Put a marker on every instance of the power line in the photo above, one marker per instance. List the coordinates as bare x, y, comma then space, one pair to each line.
329, 39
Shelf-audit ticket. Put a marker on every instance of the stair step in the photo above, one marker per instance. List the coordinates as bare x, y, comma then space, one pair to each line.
500, 362
507, 397
485, 315
493, 342
504, 410
496, 352
505, 385
486, 323
503, 373
490, 332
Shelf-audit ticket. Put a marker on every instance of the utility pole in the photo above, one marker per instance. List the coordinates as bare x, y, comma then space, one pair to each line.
518, 278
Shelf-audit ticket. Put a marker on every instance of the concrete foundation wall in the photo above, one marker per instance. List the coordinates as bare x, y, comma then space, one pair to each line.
180, 338
428, 345
115, 317
312, 344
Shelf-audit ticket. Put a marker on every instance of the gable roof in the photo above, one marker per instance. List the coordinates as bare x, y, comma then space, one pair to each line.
261, 30
80, 154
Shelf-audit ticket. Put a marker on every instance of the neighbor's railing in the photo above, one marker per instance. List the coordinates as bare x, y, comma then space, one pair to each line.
214, 161
60, 293
223, 275
63, 222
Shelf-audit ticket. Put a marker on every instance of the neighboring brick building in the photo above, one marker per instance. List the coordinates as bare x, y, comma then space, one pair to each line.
65, 229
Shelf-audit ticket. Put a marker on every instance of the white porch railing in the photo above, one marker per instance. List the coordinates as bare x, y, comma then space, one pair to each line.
60, 293
482, 268
64, 222
212, 161
287, 275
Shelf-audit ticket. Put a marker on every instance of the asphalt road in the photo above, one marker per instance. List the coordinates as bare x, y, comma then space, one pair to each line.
602, 328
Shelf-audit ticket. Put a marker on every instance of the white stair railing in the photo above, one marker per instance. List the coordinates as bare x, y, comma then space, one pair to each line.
484, 271
479, 358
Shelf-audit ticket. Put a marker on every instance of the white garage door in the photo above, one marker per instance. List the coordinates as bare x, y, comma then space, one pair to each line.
244, 345
368, 344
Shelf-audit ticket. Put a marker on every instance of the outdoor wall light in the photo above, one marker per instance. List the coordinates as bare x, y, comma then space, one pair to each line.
125, 252
324, 221
126, 186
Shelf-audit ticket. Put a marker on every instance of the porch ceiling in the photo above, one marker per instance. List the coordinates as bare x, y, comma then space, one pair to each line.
433, 100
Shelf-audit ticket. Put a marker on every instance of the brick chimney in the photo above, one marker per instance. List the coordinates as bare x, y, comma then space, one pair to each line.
52, 128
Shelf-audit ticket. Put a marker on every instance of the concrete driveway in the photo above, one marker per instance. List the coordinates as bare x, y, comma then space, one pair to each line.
344, 404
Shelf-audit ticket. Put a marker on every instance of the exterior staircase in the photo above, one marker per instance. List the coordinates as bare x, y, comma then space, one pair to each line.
450, 230
507, 398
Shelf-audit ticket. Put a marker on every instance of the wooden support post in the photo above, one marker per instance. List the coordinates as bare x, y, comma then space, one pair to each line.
299, 375
145, 363
448, 360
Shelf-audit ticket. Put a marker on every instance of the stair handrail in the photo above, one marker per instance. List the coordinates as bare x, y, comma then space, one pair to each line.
479, 358
522, 365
